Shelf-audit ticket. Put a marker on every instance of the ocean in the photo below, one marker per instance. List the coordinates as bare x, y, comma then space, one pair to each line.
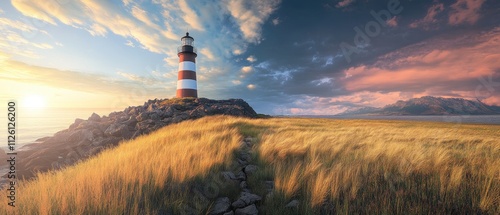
37, 123
32, 124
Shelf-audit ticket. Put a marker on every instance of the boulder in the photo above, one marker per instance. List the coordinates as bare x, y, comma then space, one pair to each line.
117, 130
81, 135
76, 123
143, 116
249, 210
94, 117
246, 199
250, 169
221, 206
293, 204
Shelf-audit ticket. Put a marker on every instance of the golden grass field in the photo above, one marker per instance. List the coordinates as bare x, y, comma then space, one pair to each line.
330, 166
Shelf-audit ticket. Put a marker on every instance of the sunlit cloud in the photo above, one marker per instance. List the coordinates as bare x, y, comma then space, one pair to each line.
207, 53
251, 86
250, 15
246, 69
251, 59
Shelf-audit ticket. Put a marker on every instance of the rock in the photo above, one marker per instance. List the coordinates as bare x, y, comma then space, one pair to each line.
241, 176
246, 199
243, 185
245, 156
168, 112
151, 107
94, 117
76, 123
249, 210
293, 204
228, 175
79, 135
250, 169
122, 119
221, 206
156, 115
180, 117
142, 116
229, 213
242, 162
132, 122
95, 150
117, 130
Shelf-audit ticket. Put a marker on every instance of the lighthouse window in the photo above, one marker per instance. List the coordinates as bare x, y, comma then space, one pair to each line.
187, 41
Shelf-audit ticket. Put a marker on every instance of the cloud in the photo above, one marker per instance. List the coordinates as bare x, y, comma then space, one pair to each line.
147, 81
97, 30
251, 59
276, 21
74, 89
251, 86
36, 75
250, 15
430, 17
190, 16
207, 53
127, 2
435, 67
393, 22
246, 69
312, 105
142, 15
465, 11
322, 81
129, 43
344, 3
100, 17
16, 37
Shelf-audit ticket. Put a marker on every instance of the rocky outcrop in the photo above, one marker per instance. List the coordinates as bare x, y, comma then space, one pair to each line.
85, 138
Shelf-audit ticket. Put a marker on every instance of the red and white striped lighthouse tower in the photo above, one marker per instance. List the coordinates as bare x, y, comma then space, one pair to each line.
186, 78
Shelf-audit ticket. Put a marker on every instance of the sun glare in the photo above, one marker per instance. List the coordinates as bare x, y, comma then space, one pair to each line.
33, 101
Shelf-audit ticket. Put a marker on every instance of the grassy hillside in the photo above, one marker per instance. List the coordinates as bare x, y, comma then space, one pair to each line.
330, 166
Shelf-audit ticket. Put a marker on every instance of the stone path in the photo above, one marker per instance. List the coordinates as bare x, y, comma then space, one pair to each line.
247, 200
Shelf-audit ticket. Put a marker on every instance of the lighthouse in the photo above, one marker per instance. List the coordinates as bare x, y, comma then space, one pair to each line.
186, 78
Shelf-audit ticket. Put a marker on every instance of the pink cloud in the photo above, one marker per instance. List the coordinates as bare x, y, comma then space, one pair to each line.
437, 68
429, 18
344, 3
465, 11
393, 22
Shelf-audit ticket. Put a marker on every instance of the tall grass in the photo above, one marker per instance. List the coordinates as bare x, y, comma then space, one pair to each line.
141, 176
330, 166
383, 167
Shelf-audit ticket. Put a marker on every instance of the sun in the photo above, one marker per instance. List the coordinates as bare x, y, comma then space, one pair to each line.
34, 102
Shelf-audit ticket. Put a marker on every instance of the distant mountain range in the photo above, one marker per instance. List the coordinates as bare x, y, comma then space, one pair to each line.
429, 105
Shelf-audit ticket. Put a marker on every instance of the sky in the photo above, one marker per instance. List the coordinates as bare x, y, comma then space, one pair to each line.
281, 56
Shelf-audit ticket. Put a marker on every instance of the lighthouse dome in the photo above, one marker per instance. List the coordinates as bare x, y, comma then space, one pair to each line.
187, 40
